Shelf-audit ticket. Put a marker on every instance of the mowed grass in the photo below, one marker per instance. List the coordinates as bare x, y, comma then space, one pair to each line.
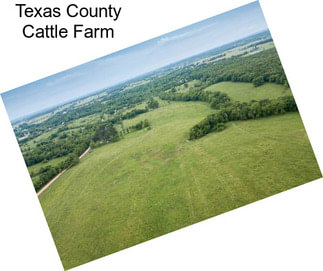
156, 181
245, 92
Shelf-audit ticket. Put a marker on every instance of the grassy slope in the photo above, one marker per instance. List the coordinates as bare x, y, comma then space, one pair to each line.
153, 182
35, 168
54, 162
245, 92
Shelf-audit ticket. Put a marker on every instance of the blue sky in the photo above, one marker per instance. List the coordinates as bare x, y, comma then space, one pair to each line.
134, 61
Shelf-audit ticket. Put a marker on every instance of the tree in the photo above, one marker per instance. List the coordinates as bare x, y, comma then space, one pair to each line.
105, 132
72, 160
152, 104
242, 111
258, 81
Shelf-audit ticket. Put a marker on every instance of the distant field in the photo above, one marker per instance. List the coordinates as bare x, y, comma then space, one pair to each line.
136, 84
156, 181
84, 120
53, 162
245, 92
248, 49
242, 49
185, 87
35, 168
138, 106
32, 143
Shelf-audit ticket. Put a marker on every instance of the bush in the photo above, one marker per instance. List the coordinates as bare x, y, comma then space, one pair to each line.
152, 104
105, 133
140, 125
45, 177
258, 81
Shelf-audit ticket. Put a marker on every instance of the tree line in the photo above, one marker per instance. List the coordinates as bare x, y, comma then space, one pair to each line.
242, 111
215, 99
61, 143
258, 69
45, 174
138, 126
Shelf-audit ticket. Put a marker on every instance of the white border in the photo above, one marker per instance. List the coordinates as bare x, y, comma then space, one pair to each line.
283, 232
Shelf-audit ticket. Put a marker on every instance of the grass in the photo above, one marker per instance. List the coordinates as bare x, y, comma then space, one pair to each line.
32, 143
245, 92
238, 51
138, 106
190, 85
242, 49
54, 162
35, 168
156, 181
83, 121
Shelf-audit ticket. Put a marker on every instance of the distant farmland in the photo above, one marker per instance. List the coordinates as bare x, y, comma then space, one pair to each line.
180, 144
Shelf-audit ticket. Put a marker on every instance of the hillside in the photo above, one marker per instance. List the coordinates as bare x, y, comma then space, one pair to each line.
156, 181
169, 149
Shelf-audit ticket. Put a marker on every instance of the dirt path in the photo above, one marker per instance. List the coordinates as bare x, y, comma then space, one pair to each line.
59, 174
87, 151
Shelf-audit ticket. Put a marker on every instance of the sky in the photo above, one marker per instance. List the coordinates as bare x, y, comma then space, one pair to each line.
134, 61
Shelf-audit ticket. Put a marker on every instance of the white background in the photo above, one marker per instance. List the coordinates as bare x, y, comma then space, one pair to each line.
283, 232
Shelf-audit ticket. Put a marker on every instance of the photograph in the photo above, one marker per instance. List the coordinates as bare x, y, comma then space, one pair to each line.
161, 135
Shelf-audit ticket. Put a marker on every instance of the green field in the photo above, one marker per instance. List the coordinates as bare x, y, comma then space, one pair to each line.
188, 156
35, 168
245, 92
156, 181
186, 87
54, 162
84, 120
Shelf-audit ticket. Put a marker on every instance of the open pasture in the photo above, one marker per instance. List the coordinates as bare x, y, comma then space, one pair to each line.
156, 181
245, 92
